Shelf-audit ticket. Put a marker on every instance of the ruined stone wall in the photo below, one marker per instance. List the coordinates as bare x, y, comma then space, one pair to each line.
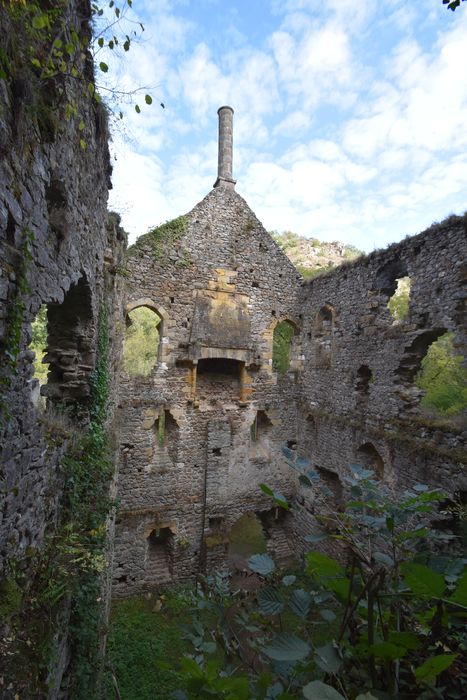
57, 248
219, 302
53, 237
359, 399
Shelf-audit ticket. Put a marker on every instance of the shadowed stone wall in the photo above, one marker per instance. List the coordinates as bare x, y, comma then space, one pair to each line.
359, 401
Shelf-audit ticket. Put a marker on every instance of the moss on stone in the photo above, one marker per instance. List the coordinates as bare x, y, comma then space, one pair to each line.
162, 238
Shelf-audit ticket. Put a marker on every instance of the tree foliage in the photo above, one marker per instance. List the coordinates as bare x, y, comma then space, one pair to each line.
444, 378
384, 617
452, 4
141, 342
281, 343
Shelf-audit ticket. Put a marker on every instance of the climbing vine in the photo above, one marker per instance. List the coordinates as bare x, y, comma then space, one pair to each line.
56, 46
65, 589
15, 321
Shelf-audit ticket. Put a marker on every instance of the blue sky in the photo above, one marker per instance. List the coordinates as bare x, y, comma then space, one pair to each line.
350, 115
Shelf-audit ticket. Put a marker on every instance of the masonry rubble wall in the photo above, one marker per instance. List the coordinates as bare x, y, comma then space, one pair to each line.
57, 248
218, 301
373, 416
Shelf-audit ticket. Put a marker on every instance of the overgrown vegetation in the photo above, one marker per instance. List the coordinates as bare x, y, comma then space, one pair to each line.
398, 304
162, 239
383, 618
67, 572
56, 48
145, 645
15, 321
140, 347
444, 378
281, 344
313, 257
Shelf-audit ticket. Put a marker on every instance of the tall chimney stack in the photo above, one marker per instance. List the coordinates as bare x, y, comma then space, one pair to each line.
224, 168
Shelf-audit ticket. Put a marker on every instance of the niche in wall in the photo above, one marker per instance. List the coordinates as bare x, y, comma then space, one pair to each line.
70, 346
160, 553
369, 458
218, 378
323, 333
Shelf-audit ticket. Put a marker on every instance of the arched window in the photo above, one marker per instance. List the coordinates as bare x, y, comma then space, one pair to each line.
369, 457
142, 341
392, 281
282, 341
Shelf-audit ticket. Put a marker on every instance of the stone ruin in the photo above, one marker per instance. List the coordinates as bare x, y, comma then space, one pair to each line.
221, 288
199, 434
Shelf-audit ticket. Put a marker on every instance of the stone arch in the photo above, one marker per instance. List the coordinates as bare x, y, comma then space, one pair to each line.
160, 311
369, 457
246, 537
283, 334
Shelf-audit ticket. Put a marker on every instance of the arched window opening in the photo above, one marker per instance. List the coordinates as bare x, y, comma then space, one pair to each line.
282, 340
443, 378
141, 342
333, 484
218, 378
70, 346
38, 345
324, 331
160, 553
261, 426
246, 538
369, 457
363, 382
398, 303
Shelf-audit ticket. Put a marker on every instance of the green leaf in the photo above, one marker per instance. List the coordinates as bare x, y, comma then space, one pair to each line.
289, 580
319, 564
460, 594
300, 603
40, 21
262, 564
103, 66
126, 45
429, 670
405, 639
270, 601
423, 581
265, 489
320, 691
328, 658
148, 99
327, 615
388, 651
366, 696
287, 647
100, 41
383, 558
137, 109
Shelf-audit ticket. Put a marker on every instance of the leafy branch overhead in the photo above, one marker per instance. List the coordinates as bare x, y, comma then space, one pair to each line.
59, 46
452, 4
